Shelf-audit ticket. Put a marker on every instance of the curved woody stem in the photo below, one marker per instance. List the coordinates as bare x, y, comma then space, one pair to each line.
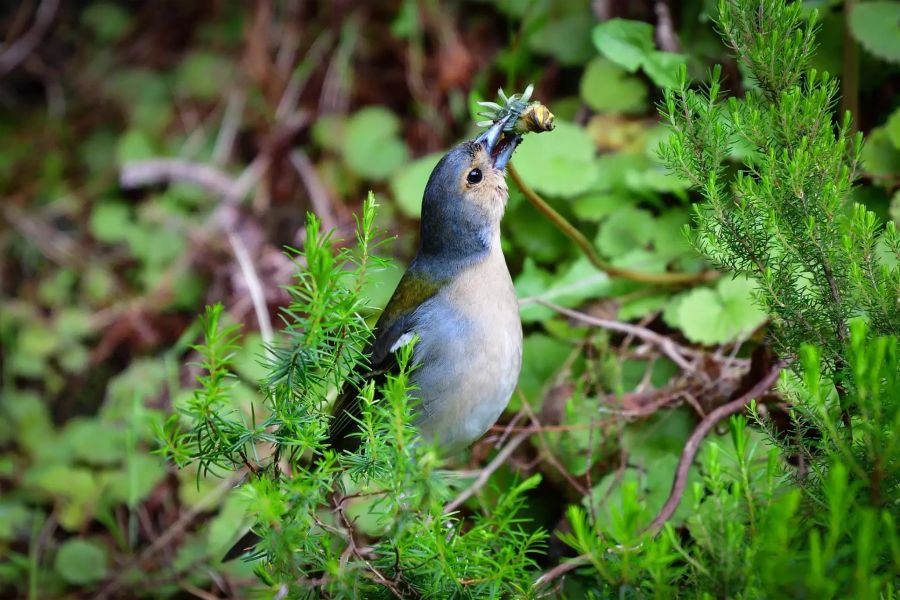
571, 232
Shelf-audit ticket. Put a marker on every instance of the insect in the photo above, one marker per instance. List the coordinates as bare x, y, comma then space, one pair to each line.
530, 116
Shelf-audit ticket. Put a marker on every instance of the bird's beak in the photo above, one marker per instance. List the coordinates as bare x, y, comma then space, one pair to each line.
499, 145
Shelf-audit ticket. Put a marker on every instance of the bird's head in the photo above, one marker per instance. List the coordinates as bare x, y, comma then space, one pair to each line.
466, 195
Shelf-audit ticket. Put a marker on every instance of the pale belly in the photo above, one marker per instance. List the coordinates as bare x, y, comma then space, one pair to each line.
470, 361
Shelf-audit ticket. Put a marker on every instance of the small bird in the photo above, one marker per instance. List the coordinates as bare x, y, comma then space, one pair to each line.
457, 298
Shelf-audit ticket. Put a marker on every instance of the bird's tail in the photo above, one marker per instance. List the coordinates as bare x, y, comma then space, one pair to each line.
244, 545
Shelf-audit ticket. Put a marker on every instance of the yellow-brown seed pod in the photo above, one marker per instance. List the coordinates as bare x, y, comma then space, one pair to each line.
536, 118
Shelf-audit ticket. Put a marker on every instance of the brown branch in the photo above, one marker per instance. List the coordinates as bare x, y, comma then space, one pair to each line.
487, 471
167, 170
571, 232
19, 50
693, 444
561, 569
666, 345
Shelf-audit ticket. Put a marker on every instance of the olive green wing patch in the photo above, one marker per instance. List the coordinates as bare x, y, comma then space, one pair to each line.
396, 320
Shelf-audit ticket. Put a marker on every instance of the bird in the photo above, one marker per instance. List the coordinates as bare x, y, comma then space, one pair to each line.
456, 300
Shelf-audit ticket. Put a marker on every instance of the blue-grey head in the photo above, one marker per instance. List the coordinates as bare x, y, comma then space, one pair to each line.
466, 195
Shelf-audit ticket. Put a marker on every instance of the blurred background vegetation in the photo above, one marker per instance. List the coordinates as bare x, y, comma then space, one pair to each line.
157, 157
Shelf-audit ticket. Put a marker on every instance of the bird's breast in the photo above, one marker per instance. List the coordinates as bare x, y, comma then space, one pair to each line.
470, 354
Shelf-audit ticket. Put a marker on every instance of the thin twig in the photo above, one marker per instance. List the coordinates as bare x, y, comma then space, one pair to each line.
693, 443
254, 285
487, 471
545, 448
561, 569
22, 47
665, 30
318, 196
155, 171
666, 345
571, 232
231, 123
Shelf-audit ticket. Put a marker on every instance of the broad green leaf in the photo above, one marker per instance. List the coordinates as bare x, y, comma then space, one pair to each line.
624, 42
110, 221
81, 561
408, 183
876, 25
626, 229
593, 206
605, 86
640, 307
893, 128
94, 442
537, 236
630, 45
720, 315
879, 155
669, 239
133, 481
542, 355
567, 39
14, 520
613, 169
328, 132
559, 163
108, 21
371, 146
570, 287
38, 340
662, 67
203, 75
75, 491
144, 95
661, 435
134, 145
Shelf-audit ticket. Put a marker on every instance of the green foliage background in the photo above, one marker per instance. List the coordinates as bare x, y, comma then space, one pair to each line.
102, 281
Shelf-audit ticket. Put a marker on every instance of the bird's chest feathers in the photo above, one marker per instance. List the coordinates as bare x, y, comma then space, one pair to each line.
469, 351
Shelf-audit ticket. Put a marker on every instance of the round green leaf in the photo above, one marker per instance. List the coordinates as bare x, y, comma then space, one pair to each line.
108, 21
203, 75
110, 221
876, 25
879, 155
606, 86
625, 230
567, 39
560, 163
94, 442
624, 42
134, 145
370, 146
408, 184
722, 315
81, 562
893, 128
662, 67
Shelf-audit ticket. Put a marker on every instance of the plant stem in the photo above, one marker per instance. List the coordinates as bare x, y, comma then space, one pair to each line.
571, 232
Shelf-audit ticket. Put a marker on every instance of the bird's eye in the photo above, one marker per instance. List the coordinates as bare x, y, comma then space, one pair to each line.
474, 176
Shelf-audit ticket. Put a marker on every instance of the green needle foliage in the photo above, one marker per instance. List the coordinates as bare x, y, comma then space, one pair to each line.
785, 217
367, 524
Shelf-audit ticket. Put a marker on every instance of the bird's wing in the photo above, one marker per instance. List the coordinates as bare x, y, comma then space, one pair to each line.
395, 328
